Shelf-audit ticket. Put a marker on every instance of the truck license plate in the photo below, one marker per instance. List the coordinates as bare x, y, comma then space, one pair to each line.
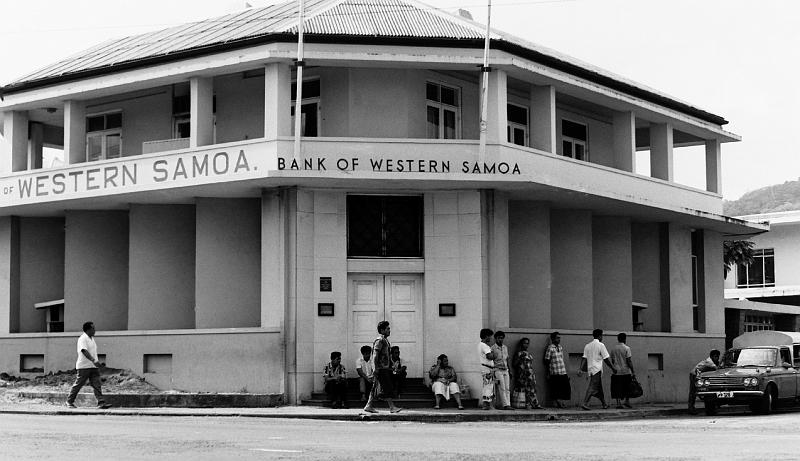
725, 395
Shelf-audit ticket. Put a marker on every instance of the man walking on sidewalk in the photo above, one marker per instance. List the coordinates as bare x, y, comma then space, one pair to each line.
382, 381
594, 355
87, 367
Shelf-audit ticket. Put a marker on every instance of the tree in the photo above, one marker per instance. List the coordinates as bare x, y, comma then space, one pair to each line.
736, 252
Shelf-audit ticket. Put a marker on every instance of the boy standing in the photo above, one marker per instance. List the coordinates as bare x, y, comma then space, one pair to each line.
501, 370
365, 372
486, 357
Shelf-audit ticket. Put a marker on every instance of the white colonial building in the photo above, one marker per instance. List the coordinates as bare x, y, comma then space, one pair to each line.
215, 251
765, 295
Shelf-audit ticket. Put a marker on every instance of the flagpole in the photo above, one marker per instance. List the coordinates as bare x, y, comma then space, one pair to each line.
485, 85
298, 105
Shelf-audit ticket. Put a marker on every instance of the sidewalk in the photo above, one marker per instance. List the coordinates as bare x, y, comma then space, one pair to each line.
39, 407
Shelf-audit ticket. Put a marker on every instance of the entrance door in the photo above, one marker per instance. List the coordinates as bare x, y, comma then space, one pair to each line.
396, 298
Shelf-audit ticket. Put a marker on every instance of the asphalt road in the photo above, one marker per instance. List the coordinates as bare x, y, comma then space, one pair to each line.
773, 437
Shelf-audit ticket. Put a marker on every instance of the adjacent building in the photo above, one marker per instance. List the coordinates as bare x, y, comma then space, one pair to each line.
765, 295
154, 185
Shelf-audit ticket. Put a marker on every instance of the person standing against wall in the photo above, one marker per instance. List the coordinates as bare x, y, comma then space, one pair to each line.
556, 372
502, 371
88, 367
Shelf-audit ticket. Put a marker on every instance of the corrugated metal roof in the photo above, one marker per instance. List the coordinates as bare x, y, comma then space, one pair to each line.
385, 19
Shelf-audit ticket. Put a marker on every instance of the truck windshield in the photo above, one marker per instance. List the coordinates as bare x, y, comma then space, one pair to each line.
756, 357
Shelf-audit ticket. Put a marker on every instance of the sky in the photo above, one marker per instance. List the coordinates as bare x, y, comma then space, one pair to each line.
734, 58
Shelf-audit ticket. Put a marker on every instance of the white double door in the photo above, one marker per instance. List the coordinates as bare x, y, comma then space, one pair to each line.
396, 298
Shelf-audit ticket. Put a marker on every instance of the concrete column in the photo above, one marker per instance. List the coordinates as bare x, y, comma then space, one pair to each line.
37, 143
676, 278
497, 213
497, 105
713, 166
543, 118
201, 112
9, 275
74, 132
571, 266
273, 259
612, 272
712, 312
661, 162
625, 141
277, 100
16, 134
529, 265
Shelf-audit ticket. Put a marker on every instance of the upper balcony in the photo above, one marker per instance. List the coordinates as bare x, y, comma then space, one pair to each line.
562, 143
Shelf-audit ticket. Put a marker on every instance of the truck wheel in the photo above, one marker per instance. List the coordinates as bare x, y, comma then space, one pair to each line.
711, 406
767, 404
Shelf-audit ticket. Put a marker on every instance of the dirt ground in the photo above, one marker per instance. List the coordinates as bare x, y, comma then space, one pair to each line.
115, 381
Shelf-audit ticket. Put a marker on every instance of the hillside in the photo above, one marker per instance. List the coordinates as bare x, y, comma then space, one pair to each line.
780, 197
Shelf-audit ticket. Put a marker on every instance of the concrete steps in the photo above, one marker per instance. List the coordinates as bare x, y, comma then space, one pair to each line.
415, 395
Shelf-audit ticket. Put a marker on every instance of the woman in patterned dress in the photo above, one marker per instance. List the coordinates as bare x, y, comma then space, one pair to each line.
525, 379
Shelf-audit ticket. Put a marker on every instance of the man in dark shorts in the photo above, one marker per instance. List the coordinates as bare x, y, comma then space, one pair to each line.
382, 385
556, 371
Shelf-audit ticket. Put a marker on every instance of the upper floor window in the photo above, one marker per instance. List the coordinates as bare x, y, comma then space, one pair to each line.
103, 136
517, 124
309, 108
574, 140
444, 111
759, 274
384, 226
758, 322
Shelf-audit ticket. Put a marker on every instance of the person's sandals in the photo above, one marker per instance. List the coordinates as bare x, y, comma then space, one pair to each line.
395, 410
370, 410
605, 406
507, 407
585, 407
70, 405
538, 407
461, 407
104, 406
436, 407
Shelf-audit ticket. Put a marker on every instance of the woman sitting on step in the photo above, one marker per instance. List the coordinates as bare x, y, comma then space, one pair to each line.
444, 382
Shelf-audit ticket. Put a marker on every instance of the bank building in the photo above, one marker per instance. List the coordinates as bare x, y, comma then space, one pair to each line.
155, 185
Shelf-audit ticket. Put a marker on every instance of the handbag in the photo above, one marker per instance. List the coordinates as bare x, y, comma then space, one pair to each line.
635, 389
518, 399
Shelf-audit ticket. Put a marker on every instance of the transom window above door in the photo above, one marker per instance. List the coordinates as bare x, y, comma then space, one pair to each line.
103, 136
444, 111
574, 140
384, 226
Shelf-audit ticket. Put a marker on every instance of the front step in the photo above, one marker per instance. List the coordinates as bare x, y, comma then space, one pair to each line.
415, 395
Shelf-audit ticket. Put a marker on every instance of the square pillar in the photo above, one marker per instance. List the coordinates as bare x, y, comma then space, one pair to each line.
571, 270
9, 275
612, 272
712, 313
713, 166
676, 278
16, 134
273, 259
497, 235
661, 161
625, 141
543, 118
37, 143
277, 100
201, 111
497, 105
74, 132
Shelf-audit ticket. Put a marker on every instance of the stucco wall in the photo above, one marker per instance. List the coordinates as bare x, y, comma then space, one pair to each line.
201, 361
454, 274
335, 100
571, 263
646, 273
41, 259
529, 265
240, 107
600, 143
146, 116
228, 262
96, 270
612, 274
162, 269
